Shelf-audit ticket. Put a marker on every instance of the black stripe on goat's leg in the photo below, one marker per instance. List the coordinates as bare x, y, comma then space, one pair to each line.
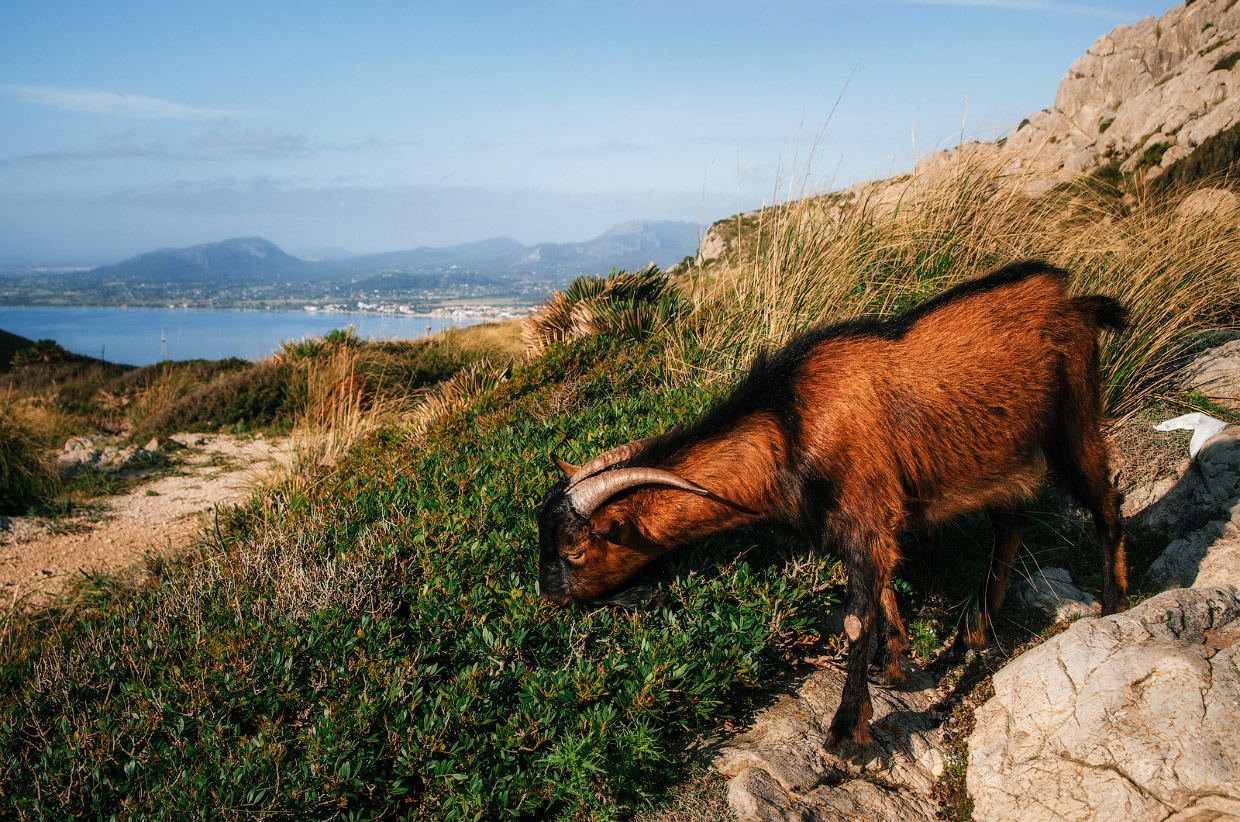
870, 562
1009, 526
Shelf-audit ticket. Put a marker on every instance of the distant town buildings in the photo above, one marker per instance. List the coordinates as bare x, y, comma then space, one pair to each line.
471, 312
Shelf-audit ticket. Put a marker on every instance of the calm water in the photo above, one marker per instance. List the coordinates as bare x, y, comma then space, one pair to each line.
131, 335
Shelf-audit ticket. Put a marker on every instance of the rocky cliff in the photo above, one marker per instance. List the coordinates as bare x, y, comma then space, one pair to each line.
1144, 96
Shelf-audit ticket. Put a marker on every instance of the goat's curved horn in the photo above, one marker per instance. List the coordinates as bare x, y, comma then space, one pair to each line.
609, 458
566, 468
590, 495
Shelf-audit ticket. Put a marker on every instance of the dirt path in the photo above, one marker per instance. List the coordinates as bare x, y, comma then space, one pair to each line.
40, 557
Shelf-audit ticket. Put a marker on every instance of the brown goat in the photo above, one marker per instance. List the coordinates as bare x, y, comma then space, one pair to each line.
853, 432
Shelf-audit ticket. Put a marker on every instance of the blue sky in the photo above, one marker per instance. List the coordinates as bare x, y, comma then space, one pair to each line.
127, 126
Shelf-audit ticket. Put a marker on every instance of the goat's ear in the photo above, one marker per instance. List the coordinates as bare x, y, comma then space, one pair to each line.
567, 468
619, 531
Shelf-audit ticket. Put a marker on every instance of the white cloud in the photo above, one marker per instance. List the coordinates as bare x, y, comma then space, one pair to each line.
111, 104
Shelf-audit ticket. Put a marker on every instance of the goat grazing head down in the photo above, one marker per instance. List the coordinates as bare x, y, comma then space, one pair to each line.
854, 432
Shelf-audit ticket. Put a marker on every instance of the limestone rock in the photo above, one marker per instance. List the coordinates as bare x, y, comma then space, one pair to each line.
1050, 590
1129, 717
1216, 374
1206, 491
781, 770
1202, 510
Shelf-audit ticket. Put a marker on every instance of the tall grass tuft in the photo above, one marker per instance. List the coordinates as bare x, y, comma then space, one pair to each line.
811, 262
28, 476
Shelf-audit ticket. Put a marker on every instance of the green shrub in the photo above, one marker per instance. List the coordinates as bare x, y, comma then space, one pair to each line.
266, 394
1227, 63
1152, 156
1217, 158
629, 305
371, 644
189, 372
43, 352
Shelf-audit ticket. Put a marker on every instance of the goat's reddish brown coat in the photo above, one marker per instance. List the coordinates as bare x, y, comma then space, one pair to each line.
852, 433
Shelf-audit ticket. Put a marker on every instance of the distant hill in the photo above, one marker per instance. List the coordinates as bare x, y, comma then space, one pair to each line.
10, 344
492, 262
240, 259
628, 245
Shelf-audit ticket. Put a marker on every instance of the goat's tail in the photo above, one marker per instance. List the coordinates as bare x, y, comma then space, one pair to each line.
1106, 312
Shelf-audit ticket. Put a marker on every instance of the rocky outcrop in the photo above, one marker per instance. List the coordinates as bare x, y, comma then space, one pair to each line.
1202, 510
83, 452
782, 770
1129, 717
1143, 96
1216, 375
1134, 716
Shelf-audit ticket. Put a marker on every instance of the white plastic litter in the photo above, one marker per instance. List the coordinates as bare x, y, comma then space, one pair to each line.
1203, 427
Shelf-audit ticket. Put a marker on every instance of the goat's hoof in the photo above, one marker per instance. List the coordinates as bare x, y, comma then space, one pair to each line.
850, 740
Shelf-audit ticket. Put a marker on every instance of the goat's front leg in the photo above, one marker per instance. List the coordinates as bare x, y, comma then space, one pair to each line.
870, 561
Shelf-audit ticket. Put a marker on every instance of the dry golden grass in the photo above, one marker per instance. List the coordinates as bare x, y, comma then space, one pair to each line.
499, 342
28, 476
811, 263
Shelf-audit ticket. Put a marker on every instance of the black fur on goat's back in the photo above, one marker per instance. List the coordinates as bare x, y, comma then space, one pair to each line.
769, 385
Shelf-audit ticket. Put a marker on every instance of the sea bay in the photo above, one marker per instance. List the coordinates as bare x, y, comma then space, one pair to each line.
141, 336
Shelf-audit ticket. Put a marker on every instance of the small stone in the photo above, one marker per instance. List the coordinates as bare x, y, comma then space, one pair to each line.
1050, 590
162, 445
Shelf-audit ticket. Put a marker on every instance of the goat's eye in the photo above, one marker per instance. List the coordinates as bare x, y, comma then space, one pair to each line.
576, 556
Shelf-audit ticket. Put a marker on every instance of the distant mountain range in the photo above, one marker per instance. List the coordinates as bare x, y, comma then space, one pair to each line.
252, 259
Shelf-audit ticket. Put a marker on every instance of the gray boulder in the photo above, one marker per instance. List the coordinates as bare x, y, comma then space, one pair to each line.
1050, 590
1216, 375
1129, 717
1208, 202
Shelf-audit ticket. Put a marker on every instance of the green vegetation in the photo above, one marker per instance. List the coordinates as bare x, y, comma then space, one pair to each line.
1152, 156
1214, 162
625, 304
1227, 63
365, 640
384, 650
10, 344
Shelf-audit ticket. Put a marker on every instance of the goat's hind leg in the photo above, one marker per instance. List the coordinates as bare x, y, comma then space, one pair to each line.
870, 562
1009, 526
1081, 463
892, 639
